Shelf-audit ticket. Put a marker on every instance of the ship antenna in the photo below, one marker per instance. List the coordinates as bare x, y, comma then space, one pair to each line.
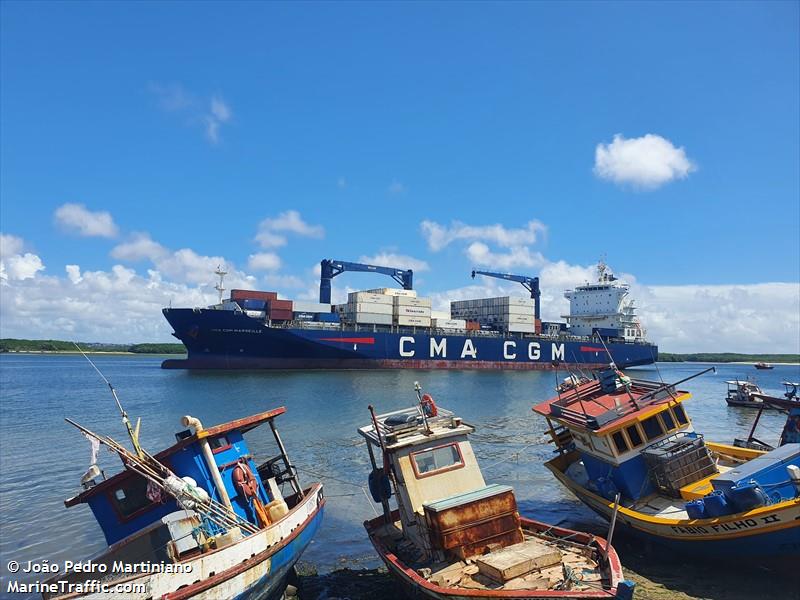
220, 287
132, 433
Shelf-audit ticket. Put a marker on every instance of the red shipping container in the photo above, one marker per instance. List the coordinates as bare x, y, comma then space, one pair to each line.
473, 326
280, 305
253, 295
277, 314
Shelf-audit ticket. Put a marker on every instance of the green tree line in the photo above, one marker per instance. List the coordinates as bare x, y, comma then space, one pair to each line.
15, 345
723, 357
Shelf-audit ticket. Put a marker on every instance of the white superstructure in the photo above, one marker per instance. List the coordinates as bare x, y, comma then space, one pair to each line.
603, 308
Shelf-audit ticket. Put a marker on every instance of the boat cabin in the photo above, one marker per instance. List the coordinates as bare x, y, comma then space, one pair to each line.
742, 393
217, 461
443, 501
621, 428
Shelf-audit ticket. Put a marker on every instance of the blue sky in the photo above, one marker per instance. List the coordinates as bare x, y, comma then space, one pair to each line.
190, 124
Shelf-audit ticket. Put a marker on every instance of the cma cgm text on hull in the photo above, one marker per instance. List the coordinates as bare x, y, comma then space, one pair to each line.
393, 328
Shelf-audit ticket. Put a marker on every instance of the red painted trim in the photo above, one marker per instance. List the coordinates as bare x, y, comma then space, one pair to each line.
591, 349
201, 586
419, 475
411, 578
367, 340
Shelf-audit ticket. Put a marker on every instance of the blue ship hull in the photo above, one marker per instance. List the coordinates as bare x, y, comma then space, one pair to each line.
221, 339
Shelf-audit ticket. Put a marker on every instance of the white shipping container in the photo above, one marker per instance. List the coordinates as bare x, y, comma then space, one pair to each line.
394, 292
527, 319
312, 307
449, 323
369, 318
408, 301
440, 314
413, 321
412, 311
521, 328
359, 297
370, 307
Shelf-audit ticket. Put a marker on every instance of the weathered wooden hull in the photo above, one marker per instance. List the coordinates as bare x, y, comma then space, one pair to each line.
254, 568
416, 586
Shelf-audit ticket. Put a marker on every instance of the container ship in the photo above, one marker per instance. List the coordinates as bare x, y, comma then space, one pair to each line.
389, 328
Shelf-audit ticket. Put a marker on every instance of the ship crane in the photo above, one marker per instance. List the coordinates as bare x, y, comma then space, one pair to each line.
529, 283
332, 268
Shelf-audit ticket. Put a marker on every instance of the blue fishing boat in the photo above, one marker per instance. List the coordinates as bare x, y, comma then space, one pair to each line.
197, 520
629, 445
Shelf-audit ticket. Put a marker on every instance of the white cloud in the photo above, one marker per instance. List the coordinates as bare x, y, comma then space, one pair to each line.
399, 261
74, 273
140, 247
396, 187
20, 267
264, 261
278, 281
76, 218
646, 162
439, 236
10, 244
520, 256
211, 112
271, 230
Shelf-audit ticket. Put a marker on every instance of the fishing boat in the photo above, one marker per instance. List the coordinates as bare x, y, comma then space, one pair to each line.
631, 442
452, 536
743, 394
197, 520
763, 366
789, 404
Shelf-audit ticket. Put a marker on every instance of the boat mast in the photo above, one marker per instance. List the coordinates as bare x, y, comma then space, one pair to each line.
220, 287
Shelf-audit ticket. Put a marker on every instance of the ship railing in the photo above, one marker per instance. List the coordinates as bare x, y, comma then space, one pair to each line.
443, 418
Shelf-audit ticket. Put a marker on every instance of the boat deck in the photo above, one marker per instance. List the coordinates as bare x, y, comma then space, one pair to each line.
576, 568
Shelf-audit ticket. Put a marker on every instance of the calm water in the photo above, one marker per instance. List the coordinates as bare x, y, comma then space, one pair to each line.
42, 457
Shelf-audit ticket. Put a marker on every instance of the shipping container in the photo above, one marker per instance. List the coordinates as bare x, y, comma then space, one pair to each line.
412, 311
413, 321
252, 304
327, 317
311, 307
407, 301
278, 314
440, 314
362, 297
280, 305
244, 294
369, 307
369, 318
449, 323
302, 316
473, 326
521, 328
393, 292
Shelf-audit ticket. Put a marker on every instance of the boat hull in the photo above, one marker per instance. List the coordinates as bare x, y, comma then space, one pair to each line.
416, 586
221, 339
767, 533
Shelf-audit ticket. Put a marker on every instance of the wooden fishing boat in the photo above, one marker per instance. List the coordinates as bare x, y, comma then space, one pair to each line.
197, 520
763, 366
631, 442
454, 537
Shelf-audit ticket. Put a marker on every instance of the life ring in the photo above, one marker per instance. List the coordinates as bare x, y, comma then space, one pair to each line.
429, 406
244, 481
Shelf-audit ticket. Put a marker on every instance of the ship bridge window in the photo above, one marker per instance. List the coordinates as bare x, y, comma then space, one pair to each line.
619, 442
669, 422
436, 460
652, 428
680, 415
634, 435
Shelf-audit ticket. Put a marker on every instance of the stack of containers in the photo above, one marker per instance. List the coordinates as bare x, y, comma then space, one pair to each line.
368, 308
409, 311
310, 311
393, 292
280, 310
253, 303
507, 313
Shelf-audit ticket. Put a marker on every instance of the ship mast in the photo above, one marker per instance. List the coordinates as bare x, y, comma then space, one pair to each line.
220, 287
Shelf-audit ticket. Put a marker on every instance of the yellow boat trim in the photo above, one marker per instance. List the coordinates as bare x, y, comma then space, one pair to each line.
644, 518
734, 451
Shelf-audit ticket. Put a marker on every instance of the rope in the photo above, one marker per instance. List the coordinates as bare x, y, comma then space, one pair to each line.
344, 481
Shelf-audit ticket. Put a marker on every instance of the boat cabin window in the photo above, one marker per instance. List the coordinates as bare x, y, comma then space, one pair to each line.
669, 422
435, 460
619, 442
652, 428
130, 497
218, 443
680, 415
634, 435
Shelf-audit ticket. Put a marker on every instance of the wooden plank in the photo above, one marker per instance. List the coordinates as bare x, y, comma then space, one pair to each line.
517, 560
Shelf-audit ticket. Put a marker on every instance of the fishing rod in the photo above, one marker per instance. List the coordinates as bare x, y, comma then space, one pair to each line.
132, 433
